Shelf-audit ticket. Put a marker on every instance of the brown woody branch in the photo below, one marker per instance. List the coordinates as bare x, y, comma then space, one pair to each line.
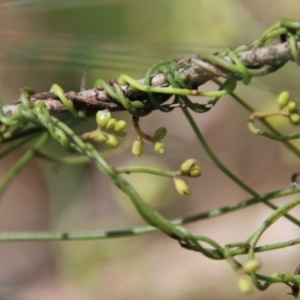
197, 72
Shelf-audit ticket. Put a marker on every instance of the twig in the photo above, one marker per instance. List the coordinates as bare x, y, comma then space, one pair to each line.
197, 71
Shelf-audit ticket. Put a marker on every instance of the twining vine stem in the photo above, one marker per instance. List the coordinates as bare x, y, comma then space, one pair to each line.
139, 98
197, 70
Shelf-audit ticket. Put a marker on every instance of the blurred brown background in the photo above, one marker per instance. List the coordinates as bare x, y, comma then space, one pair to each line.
45, 42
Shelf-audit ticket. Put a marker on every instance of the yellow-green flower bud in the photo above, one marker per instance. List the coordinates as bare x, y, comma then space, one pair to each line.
160, 133
188, 165
283, 99
112, 141
295, 119
159, 148
245, 284
195, 171
102, 117
251, 265
190, 168
292, 106
120, 125
122, 133
99, 136
181, 186
111, 124
137, 147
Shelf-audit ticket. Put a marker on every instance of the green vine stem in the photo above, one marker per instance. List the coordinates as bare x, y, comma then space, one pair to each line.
22, 162
139, 98
225, 170
147, 170
45, 236
17, 144
248, 107
150, 216
255, 237
258, 58
276, 137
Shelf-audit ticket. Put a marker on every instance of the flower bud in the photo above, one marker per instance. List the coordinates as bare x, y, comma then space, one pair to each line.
292, 106
160, 133
112, 141
245, 284
181, 187
99, 136
122, 133
295, 119
111, 124
283, 99
137, 147
102, 117
159, 148
195, 171
120, 125
188, 165
251, 265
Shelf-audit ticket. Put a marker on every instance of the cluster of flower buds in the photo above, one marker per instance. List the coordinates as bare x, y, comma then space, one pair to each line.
188, 168
284, 102
191, 168
107, 130
159, 147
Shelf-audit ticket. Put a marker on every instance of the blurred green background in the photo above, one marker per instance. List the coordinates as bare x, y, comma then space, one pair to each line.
44, 42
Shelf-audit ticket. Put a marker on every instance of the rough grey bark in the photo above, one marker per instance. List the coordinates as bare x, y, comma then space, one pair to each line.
197, 71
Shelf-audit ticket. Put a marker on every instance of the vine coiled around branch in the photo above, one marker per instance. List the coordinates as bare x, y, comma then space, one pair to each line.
180, 88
